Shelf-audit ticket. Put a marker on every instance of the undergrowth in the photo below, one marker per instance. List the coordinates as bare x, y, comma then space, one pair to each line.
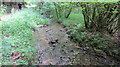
96, 41
17, 40
99, 43
2, 9
74, 19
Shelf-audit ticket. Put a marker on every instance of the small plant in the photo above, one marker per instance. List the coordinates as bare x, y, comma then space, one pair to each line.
17, 44
95, 41
2, 9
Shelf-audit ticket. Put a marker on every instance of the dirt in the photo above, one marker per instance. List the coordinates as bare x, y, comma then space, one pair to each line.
55, 48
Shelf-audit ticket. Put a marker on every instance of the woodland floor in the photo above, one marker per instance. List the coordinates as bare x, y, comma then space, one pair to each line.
55, 48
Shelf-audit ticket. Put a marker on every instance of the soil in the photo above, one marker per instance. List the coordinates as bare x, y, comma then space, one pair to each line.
55, 48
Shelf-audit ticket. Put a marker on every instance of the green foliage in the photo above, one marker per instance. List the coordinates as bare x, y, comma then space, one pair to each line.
95, 41
101, 16
5, 9
62, 10
89, 37
74, 19
17, 30
2, 9
114, 11
17, 35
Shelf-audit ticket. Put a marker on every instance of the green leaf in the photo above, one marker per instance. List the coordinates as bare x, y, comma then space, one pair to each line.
23, 54
114, 11
82, 8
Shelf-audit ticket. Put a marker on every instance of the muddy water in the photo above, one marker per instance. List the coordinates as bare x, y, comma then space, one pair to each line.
55, 48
